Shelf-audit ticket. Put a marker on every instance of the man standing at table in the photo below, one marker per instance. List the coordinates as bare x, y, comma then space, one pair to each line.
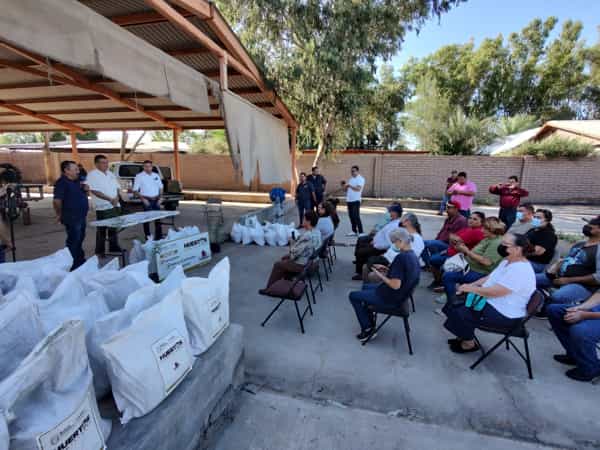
104, 188
463, 192
71, 208
148, 187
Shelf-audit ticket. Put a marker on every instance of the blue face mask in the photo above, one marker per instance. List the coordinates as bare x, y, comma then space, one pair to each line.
519, 215
536, 222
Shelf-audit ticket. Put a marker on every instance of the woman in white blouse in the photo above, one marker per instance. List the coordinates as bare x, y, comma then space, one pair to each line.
325, 223
498, 300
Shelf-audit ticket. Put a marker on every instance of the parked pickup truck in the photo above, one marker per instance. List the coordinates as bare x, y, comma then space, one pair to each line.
126, 171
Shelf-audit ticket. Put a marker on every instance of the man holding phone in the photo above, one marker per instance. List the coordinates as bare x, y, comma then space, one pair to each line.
354, 187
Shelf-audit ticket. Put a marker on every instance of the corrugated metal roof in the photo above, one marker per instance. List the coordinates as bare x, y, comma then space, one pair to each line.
110, 8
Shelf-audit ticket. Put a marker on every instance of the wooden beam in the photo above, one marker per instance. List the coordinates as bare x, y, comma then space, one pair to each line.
200, 8
140, 120
74, 151
41, 117
223, 73
194, 32
294, 138
117, 128
230, 40
188, 52
60, 99
112, 110
25, 85
78, 80
143, 18
176, 155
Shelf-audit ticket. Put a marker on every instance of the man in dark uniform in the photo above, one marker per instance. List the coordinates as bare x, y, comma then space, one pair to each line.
319, 184
71, 207
305, 193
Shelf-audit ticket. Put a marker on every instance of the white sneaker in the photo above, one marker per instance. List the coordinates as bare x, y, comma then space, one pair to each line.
362, 235
351, 234
441, 299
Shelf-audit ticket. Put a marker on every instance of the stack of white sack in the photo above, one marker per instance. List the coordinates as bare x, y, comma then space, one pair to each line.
48, 402
115, 322
273, 234
43, 275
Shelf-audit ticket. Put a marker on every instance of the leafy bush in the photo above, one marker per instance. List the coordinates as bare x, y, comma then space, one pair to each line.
555, 147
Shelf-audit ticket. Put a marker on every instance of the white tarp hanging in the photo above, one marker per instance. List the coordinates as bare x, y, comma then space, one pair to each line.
73, 34
258, 137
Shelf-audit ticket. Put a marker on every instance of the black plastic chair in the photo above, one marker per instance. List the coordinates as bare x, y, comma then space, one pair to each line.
519, 330
400, 310
323, 255
313, 269
292, 290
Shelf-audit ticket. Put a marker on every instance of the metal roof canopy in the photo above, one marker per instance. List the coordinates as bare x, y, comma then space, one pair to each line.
39, 93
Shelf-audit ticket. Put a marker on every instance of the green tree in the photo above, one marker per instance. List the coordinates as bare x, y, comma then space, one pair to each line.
526, 74
321, 55
506, 126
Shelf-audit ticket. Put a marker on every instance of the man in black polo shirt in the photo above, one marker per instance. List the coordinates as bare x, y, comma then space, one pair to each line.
319, 184
304, 197
71, 207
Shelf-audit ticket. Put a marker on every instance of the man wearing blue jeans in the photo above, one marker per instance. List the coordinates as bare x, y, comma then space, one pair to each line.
578, 330
71, 208
148, 187
578, 274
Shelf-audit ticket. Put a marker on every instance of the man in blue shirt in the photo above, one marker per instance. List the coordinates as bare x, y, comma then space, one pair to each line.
305, 193
71, 207
397, 283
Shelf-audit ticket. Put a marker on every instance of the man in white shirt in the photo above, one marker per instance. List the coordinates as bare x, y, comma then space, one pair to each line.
354, 188
148, 187
104, 190
380, 243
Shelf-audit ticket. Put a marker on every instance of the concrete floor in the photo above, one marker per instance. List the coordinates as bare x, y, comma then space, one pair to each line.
324, 388
434, 386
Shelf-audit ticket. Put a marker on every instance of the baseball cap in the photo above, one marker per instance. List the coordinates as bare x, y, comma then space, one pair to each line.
594, 221
453, 205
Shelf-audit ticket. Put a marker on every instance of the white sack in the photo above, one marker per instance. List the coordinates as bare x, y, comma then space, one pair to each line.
48, 401
236, 233
282, 235
246, 235
24, 286
258, 235
206, 306
137, 253
4, 438
149, 359
111, 324
271, 236
20, 331
116, 285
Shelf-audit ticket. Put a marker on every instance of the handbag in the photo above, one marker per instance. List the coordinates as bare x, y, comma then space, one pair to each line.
456, 263
475, 301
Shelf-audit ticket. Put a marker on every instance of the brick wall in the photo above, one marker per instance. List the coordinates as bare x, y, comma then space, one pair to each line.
386, 174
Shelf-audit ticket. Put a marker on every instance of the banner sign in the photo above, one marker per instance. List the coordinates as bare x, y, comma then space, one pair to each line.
189, 251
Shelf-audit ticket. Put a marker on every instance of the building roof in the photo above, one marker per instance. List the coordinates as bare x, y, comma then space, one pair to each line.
507, 143
587, 128
99, 146
170, 51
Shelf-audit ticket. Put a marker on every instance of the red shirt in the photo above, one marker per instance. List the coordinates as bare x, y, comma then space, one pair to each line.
509, 197
451, 226
470, 236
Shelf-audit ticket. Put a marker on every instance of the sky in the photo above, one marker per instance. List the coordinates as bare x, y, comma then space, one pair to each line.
479, 19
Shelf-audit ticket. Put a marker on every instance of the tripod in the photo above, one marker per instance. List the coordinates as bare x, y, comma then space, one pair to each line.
10, 212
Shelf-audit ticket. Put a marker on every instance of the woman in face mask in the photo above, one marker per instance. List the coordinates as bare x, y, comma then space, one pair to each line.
497, 300
543, 238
